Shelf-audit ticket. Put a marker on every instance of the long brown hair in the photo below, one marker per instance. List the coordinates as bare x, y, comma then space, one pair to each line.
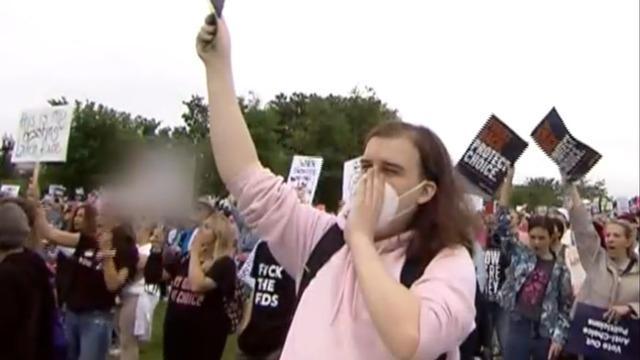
445, 220
89, 226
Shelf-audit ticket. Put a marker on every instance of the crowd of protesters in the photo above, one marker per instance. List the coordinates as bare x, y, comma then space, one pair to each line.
399, 272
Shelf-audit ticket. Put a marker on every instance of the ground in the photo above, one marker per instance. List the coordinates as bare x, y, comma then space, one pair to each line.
153, 350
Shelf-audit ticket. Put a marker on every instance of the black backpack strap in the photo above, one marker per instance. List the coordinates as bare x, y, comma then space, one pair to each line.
327, 246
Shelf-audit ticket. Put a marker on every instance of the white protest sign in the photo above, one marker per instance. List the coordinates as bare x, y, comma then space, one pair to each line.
351, 171
43, 135
304, 176
622, 205
12, 190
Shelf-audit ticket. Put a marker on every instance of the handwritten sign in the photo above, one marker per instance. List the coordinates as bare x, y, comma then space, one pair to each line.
11, 190
352, 170
492, 152
574, 158
43, 135
304, 176
593, 337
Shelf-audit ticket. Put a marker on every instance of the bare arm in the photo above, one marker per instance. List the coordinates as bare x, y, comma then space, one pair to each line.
59, 237
113, 278
233, 148
197, 278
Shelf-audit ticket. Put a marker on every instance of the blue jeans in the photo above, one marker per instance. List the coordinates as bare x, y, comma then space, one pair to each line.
88, 334
524, 341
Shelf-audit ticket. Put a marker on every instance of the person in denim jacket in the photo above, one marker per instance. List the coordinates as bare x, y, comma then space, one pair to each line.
537, 291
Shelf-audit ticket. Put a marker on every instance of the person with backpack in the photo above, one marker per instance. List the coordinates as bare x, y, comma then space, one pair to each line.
270, 307
203, 287
390, 277
537, 291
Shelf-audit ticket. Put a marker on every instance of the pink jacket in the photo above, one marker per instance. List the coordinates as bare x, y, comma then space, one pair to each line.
332, 320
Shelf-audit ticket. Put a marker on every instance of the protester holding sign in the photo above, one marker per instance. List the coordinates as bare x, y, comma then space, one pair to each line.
537, 291
395, 279
196, 324
103, 265
612, 274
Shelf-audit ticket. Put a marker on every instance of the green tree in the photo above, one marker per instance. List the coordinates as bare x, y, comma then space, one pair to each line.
536, 192
333, 127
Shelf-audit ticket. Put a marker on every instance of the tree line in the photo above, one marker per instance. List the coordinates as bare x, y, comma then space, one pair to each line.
333, 127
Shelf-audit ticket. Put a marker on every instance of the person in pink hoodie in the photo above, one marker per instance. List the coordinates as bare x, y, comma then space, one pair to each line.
408, 209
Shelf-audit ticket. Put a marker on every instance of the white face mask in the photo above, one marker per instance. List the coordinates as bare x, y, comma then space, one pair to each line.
390, 204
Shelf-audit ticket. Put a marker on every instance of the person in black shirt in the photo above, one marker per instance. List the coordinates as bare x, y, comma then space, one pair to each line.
196, 325
271, 308
27, 305
102, 266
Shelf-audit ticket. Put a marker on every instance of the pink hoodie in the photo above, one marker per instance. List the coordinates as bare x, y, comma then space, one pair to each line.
332, 320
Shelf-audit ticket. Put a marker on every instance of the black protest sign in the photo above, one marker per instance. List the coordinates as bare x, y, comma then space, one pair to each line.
492, 152
218, 6
595, 338
574, 157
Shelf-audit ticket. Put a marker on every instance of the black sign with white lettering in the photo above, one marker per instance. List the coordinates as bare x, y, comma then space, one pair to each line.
574, 157
492, 152
590, 335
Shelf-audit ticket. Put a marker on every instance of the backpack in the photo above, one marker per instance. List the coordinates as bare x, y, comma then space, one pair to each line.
333, 241
234, 306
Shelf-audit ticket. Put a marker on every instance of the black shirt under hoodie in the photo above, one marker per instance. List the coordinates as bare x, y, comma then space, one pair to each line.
27, 308
87, 289
196, 325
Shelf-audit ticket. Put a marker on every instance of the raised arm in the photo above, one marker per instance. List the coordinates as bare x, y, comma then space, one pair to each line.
59, 237
233, 148
508, 240
587, 239
197, 278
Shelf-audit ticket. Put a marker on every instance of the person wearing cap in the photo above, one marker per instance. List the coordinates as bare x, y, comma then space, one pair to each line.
27, 304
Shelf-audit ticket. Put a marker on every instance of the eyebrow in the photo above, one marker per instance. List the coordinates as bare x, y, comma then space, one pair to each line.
387, 164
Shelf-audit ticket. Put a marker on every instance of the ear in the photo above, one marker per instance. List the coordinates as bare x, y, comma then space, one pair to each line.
429, 190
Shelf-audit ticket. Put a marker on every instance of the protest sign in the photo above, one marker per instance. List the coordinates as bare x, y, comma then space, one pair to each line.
492, 152
574, 158
57, 190
43, 135
595, 338
622, 205
304, 176
352, 170
12, 190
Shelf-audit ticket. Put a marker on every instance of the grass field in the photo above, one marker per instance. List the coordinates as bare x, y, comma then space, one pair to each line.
153, 350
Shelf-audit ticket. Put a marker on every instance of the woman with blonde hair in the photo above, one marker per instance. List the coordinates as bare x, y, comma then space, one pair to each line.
196, 324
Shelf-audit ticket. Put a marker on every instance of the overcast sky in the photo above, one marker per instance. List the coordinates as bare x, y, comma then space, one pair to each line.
445, 64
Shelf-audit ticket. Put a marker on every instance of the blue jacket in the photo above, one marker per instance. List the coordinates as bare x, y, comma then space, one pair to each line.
558, 298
